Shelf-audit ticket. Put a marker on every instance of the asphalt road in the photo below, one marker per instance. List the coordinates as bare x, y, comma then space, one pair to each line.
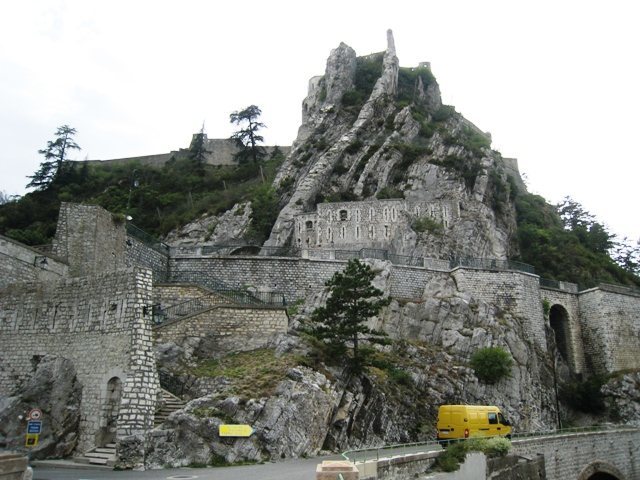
299, 469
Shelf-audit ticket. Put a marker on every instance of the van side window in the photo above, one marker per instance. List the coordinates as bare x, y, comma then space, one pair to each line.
493, 418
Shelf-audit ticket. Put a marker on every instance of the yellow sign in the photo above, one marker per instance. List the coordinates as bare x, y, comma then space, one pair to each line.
235, 430
31, 440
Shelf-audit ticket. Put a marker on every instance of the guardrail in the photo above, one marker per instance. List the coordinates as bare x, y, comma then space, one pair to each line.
376, 453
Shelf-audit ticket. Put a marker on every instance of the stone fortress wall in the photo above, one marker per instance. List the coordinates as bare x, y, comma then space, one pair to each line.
587, 315
102, 324
94, 305
366, 224
220, 151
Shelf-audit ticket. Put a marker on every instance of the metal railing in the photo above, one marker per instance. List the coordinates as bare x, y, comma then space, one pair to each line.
147, 239
217, 298
491, 264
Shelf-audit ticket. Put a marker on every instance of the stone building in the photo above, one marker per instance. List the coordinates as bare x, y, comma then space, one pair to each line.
367, 224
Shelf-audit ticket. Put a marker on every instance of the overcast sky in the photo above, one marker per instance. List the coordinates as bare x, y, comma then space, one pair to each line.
557, 83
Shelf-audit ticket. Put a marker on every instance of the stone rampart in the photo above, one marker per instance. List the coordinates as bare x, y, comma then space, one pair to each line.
571, 455
231, 328
517, 292
610, 322
295, 277
20, 263
102, 323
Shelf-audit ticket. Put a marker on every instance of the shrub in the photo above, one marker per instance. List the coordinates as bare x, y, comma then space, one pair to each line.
445, 112
586, 395
389, 192
455, 453
491, 364
427, 224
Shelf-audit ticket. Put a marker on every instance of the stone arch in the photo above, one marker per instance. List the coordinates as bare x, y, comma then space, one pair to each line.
559, 322
111, 409
600, 470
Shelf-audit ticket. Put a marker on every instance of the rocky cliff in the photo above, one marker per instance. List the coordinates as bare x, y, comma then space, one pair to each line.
371, 129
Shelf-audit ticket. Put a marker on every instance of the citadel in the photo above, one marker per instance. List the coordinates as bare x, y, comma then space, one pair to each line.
106, 304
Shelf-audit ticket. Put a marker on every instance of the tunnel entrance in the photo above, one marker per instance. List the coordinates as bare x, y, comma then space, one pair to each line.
559, 321
602, 476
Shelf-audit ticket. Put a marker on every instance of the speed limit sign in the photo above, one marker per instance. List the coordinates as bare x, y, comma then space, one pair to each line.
34, 414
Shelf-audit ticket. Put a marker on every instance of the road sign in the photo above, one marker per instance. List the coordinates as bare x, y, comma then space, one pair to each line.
31, 440
235, 430
34, 414
34, 426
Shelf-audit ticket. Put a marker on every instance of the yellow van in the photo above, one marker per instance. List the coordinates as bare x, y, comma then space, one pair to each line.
468, 421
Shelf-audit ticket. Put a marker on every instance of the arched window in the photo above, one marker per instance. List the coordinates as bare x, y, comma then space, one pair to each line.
343, 215
309, 225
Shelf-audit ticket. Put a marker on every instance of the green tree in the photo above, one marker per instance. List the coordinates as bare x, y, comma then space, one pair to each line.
627, 255
55, 155
352, 301
247, 138
491, 364
198, 151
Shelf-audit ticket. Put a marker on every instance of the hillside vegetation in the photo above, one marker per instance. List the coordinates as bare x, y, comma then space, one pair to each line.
158, 199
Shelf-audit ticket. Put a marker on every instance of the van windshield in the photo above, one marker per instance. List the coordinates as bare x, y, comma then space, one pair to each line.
503, 420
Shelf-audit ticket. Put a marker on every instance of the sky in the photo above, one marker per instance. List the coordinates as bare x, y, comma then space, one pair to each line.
557, 83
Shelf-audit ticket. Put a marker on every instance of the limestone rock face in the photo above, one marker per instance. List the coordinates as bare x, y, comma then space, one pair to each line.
227, 229
54, 388
392, 138
290, 423
622, 395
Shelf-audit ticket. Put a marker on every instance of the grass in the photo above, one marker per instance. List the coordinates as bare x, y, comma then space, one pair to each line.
252, 374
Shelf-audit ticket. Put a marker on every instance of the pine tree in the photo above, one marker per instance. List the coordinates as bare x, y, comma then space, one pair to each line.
352, 301
247, 138
55, 154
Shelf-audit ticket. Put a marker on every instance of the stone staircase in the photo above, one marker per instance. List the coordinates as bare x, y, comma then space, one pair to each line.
170, 403
100, 456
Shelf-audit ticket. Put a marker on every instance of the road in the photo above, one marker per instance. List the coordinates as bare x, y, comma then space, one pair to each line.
298, 469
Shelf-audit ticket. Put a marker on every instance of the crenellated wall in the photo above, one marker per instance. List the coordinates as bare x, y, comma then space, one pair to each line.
102, 323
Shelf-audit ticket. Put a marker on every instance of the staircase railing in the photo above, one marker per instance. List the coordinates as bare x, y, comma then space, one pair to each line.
215, 299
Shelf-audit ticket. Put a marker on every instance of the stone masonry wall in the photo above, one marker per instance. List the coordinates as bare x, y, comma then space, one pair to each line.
610, 323
232, 329
142, 255
569, 301
90, 239
517, 292
569, 456
295, 277
102, 324
20, 263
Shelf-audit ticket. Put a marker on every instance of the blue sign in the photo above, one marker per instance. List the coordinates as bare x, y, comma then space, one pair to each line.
34, 426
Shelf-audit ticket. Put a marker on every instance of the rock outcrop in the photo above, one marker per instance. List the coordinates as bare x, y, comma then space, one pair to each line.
374, 130
54, 389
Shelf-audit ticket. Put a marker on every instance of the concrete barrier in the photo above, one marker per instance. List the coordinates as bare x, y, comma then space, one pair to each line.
12, 466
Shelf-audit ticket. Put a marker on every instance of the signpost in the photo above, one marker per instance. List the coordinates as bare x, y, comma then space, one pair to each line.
34, 427
235, 430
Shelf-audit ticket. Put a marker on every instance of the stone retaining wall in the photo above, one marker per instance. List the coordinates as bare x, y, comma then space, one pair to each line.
20, 263
230, 328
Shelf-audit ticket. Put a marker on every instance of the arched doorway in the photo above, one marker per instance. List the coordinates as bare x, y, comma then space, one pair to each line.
601, 471
111, 409
559, 322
